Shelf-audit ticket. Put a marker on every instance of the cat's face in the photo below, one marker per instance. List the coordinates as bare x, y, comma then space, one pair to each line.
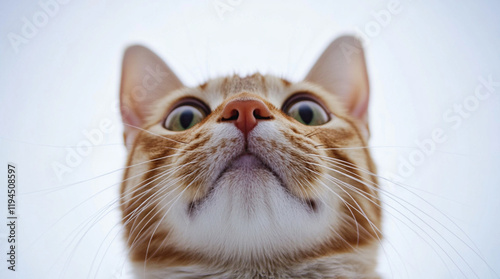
248, 172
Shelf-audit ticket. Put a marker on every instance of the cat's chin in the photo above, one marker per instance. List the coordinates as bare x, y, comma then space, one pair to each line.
249, 215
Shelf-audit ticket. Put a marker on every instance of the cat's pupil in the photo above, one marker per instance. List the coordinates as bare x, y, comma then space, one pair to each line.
306, 113
186, 118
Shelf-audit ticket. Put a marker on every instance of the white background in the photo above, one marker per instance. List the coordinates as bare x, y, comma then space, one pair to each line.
441, 218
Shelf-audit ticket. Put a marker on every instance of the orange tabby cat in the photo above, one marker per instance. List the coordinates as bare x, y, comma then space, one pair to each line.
250, 177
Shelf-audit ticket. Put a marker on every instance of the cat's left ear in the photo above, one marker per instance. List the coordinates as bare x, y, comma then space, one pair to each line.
341, 70
145, 80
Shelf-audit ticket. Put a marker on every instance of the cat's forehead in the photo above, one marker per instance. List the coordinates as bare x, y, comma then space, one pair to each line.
273, 89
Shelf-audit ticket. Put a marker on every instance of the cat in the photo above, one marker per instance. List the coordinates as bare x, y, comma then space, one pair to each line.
250, 177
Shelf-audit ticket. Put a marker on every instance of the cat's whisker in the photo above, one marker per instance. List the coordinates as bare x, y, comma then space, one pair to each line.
165, 214
316, 191
170, 172
354, 166
67, 186
388, 205
388, 146
159, 194
158, 200
96, 194
375, 229
156, 197
158, 135
403, 186
103, 212
58, 146
347, 204
302, 188
158, 225
417, 226
359, 209
89, 224
378, 188
360, 192
125, 220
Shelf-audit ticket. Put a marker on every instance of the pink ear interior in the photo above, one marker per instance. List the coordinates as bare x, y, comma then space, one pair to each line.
341, 70
145, 79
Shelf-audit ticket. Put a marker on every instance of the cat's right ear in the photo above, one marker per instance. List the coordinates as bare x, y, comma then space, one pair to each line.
145, 79
341, 70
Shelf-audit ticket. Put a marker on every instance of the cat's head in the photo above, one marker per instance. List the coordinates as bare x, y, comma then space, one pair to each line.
249, 172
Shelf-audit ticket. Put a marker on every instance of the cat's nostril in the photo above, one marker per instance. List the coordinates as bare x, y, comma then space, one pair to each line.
233, 116
258, 115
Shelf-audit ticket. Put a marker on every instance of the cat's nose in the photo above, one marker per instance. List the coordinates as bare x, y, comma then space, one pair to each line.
245, 113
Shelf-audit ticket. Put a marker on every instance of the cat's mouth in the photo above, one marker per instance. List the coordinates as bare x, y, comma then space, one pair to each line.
247, 162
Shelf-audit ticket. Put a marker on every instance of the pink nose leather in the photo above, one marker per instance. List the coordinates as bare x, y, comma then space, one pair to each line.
245, 113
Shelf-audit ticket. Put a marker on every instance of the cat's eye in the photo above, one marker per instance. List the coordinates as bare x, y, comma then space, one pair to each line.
307, 112
184, 117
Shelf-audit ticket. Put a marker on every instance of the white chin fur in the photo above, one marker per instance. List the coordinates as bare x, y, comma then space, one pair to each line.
250, 217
